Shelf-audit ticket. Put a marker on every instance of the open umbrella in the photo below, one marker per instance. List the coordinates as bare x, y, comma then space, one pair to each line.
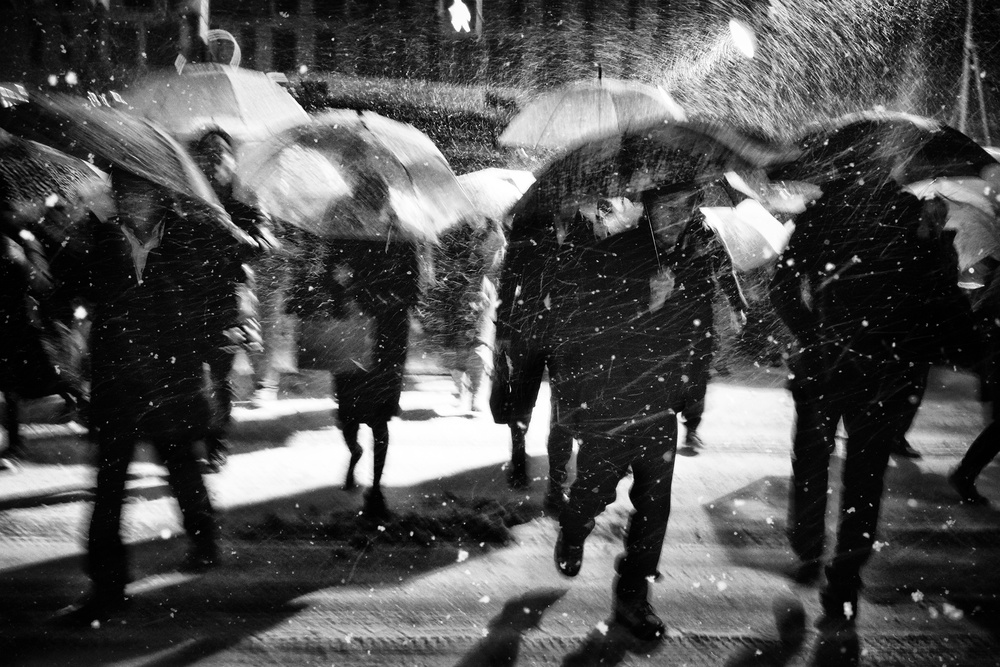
568, 115
116, 140
244, 103
751, 235
356, 175
881, 143
972, 213
35, 177
494, 191
682, 154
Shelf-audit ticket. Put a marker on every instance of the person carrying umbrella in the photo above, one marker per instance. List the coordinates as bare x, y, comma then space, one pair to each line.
867, 286
627, 326
142, 272
229, 311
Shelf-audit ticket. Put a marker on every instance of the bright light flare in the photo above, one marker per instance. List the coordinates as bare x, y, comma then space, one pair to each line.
743, 38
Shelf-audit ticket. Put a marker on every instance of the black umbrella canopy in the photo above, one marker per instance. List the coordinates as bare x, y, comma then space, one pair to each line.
883, 144
673, 154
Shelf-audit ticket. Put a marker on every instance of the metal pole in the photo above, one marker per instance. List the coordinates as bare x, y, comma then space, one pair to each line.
981, 96
963, 95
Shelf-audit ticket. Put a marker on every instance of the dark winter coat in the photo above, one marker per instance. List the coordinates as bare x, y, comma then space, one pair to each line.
147, 335
864, 276
384, 280
624, 323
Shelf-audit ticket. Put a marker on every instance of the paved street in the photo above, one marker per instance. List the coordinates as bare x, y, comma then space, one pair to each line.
932, 595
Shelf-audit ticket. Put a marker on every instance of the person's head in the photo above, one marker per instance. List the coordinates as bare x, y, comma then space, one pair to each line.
139, 201
214, 155
669, 211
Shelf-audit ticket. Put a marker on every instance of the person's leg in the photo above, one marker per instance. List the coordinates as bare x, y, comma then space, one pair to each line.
917, 384
601, 462
871, 424
375, 506
222, 395
197, 512
107, 561
559, 446
696, 390
350, 430
812, 446
271, 282
652, 472
12, 425
983, 449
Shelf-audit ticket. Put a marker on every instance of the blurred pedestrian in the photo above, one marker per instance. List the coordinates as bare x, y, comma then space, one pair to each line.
29, 368
868, 287
142, 272
380, 282
986, 446
706, 272
522, 353
229, 310
627, 325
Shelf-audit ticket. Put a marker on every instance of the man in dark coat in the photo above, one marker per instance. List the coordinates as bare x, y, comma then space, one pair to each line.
142, 273
227, 311
523, 351
868, 286
627, 327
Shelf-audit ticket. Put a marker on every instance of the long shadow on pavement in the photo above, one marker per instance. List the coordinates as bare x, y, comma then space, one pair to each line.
177, 619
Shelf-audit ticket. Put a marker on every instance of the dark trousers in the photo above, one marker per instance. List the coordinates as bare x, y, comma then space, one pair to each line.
602, 461
984, 448
702, 350
221, 394
872, 398
107, 563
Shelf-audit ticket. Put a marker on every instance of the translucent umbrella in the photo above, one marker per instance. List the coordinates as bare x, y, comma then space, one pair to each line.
972, 213
244, 103
356, 175
568, 115
494, 191
751, 235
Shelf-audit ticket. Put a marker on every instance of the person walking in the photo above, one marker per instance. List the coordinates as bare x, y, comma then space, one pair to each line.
986, 446
381, 281
522, 353
867, 285
141, 273
228, 311
709, 271
626, 326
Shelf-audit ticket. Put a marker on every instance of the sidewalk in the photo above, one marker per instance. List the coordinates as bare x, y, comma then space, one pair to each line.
290, 593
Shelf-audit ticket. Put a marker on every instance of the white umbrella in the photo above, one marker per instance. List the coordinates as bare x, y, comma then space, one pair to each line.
752, 236
569, 115
494, 191
244, 103
972, 213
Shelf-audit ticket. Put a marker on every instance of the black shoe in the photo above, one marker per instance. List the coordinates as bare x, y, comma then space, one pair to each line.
200, 561
693, 441
966, 489
93, 611
639, 619
837, 644
807, 573
568, 556
903, 450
